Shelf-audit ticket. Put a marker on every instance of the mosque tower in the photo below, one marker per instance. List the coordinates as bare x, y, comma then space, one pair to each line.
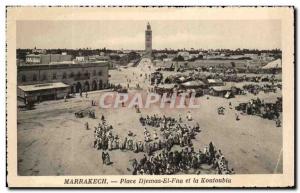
148, 41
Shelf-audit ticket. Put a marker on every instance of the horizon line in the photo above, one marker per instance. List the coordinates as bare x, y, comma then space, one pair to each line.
187, 49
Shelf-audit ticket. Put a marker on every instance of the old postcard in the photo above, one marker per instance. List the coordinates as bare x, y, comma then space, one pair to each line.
150, 97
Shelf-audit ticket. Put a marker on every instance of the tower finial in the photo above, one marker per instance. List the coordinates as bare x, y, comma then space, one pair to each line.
148, 26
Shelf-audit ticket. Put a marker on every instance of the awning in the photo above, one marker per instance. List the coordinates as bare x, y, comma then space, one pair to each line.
166, 86
214, 81
221, 88
181, 78
45, 86
193, 83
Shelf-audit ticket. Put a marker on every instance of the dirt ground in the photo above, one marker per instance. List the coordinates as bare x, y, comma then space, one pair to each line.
51, 141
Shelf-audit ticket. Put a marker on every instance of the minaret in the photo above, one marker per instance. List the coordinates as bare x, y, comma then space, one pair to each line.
148, 41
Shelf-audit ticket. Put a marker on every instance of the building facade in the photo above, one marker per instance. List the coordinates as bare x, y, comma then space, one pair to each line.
148, 41
47, 58
80, 76
40, 92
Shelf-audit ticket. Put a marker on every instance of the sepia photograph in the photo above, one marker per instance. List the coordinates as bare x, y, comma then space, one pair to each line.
97, 98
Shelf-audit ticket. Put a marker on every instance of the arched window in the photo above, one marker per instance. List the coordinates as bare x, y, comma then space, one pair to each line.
64, 75
71, 75
78, 74
34, 77
86, 74
94, 73
100, 73
44, 76
54, 76
23, 78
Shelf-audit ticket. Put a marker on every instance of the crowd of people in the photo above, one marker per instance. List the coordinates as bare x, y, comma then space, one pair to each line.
268, 110
172, 133
255, 88
172, 162
104, 138
161, 159
156, 121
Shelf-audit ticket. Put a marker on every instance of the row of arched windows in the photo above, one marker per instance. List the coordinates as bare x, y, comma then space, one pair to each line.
64, 75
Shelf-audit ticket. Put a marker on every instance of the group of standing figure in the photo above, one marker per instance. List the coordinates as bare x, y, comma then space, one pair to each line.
161, 159
184, 161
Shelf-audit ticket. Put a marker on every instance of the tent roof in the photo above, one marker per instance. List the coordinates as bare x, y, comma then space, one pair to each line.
270, 100
168, 65
233, 84
214, 81
274, 64
221, 88
166, 86
193, 83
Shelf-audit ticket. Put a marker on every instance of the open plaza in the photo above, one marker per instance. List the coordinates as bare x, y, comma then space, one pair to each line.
130, 113
52, 141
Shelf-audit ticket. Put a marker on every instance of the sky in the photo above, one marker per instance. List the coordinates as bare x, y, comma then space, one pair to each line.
118, 34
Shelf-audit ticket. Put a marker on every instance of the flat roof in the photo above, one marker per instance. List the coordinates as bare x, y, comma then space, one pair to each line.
33, 55
69, 63
65, 64
80, 62
44, 86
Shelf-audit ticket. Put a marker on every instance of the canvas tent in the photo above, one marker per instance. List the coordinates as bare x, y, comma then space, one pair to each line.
215, 82
222, 91
228, 95
276, 64
193, 84
164, 88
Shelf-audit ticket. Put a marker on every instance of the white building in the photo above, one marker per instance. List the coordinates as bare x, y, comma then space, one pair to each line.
185, 55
